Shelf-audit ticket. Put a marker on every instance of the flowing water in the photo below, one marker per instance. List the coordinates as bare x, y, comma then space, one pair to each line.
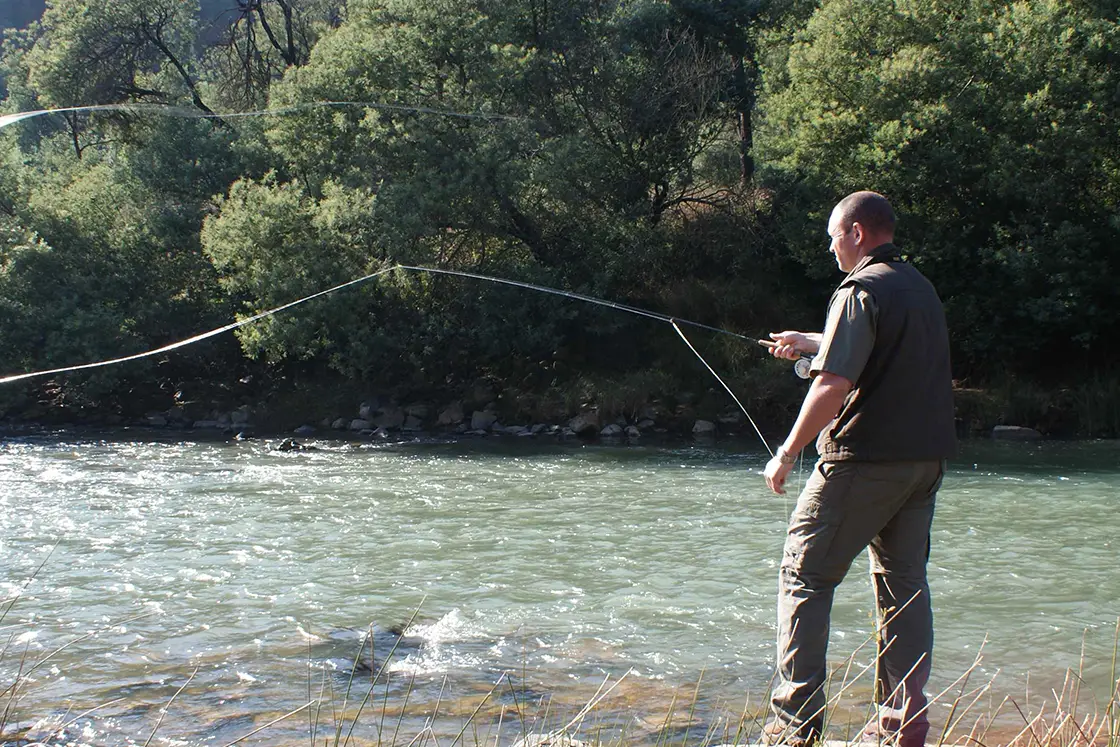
524, 576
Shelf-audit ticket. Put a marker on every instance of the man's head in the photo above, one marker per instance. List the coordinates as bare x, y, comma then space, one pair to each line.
859, 223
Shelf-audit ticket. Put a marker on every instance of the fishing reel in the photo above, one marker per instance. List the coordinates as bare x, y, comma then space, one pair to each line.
802, 366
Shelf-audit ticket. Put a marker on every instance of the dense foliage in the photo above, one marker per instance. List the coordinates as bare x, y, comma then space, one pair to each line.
671, 154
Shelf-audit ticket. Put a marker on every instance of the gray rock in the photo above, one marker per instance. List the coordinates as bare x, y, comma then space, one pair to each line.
240, 416
340, 424
482, 419
207, 425
645, 423
517, 430
178, 415
704, 427
361, 425
633, 432
290, 444
1015, 433
157, 421
390, 418
451, 415
538, 428
614, 430
417, 410
585, 422
304, 430
412, 424
368, 409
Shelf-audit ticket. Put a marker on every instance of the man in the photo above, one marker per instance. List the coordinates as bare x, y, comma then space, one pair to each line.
881, 401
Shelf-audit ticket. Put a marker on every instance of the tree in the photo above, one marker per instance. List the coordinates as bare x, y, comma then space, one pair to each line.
113, 51
262, 39
991, 127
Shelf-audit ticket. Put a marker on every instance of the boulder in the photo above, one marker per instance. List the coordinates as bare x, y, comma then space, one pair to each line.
360, 425
368, 409
390, 418
207, 424
585, 423
157, 421
290, 444
417, 410
340, 424
633, 432
482, 419
451, 415
412, 424
304, 430
704, 428
240, 416
614, 430
1015, 433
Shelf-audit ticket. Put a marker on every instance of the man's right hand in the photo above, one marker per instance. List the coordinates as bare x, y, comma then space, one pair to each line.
790, 344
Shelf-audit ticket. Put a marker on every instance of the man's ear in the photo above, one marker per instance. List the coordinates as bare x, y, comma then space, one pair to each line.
857, 232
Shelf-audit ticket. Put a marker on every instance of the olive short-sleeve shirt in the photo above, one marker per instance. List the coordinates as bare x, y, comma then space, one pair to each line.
849, 334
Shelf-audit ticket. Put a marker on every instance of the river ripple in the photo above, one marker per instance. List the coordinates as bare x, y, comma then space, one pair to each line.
546, 567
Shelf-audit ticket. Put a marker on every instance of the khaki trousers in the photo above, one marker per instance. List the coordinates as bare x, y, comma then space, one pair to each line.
886, 507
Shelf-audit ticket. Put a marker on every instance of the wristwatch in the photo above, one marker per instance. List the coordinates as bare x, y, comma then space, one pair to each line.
784, 456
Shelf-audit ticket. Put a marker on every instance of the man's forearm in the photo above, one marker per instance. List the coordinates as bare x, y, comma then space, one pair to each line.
823, 402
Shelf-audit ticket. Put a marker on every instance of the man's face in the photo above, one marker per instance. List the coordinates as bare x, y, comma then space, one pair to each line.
845, 244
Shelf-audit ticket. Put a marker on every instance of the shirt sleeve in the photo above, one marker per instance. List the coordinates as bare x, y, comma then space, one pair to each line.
849, 334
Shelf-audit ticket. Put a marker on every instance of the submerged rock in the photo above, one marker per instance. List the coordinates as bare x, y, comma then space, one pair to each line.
290, 444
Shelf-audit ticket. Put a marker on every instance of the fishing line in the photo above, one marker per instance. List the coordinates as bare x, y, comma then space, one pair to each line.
190, 340
179, 111
673, 321
175, 111
725, 386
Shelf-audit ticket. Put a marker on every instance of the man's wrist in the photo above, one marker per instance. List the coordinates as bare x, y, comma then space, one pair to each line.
785, 456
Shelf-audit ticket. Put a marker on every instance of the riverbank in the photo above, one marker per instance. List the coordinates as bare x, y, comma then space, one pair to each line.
305, 402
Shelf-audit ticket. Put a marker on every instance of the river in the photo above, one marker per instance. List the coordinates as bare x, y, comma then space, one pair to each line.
201, 590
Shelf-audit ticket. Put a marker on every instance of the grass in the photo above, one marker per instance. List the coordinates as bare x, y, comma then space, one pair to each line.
377, 710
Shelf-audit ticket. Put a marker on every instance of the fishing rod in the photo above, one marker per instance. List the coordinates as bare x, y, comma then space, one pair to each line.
673, 321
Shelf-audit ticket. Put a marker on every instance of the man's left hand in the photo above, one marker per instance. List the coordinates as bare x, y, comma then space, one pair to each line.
776, 473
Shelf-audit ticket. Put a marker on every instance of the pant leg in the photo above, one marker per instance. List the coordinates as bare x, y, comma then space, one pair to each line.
843, 507
899, 556
836, 517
